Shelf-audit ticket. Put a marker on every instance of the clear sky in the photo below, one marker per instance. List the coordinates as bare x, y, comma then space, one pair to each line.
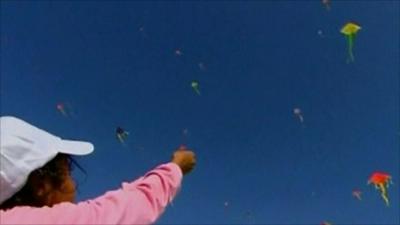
114, 64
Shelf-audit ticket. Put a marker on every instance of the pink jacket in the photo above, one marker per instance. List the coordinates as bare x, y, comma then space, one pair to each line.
138, 202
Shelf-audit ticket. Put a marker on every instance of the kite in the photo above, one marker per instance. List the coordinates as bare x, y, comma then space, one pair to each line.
350, 30
226, 207
121, 134
185, 132
65, 109
381, 181
356, 194
61, 108
297, 112
201, 66
195, 86
226, 204
327, 4
320, 33
178, 52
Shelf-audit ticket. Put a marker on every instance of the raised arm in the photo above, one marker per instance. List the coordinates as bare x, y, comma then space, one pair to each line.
138, 202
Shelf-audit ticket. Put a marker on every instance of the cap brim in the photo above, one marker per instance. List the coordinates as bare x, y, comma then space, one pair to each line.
75, 147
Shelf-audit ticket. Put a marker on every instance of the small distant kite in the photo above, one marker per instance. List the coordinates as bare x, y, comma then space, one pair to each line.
350, 30
185, 132
201, 66
320, 33
61, 108
65, 109
226, 204
121, 134
297, 112
195, 86
178, 52
381, 180
327, 4
226, 207
357, 194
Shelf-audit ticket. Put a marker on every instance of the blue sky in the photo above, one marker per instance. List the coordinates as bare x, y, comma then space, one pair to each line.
114, 64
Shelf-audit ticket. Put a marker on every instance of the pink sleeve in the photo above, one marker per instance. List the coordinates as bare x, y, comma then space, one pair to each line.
139, 202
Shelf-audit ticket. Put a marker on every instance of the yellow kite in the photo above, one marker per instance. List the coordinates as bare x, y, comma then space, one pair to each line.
350, 30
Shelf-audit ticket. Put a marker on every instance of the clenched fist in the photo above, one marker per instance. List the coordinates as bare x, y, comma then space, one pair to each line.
185, 159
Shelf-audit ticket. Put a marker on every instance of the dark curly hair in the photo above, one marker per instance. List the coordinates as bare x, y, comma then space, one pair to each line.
53, 171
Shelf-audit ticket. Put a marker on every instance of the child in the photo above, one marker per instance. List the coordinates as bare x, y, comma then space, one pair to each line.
36, 186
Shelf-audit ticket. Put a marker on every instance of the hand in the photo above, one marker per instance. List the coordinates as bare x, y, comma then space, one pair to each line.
185, 159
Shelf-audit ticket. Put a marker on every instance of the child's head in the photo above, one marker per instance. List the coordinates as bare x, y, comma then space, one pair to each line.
35, 165
46, 186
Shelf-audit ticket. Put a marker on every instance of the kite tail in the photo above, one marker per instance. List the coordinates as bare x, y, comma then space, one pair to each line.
197, 91
350, 40
384, 194
120, 138
63, 112
301, 118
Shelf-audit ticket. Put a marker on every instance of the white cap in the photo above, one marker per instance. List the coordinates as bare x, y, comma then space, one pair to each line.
25, 148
